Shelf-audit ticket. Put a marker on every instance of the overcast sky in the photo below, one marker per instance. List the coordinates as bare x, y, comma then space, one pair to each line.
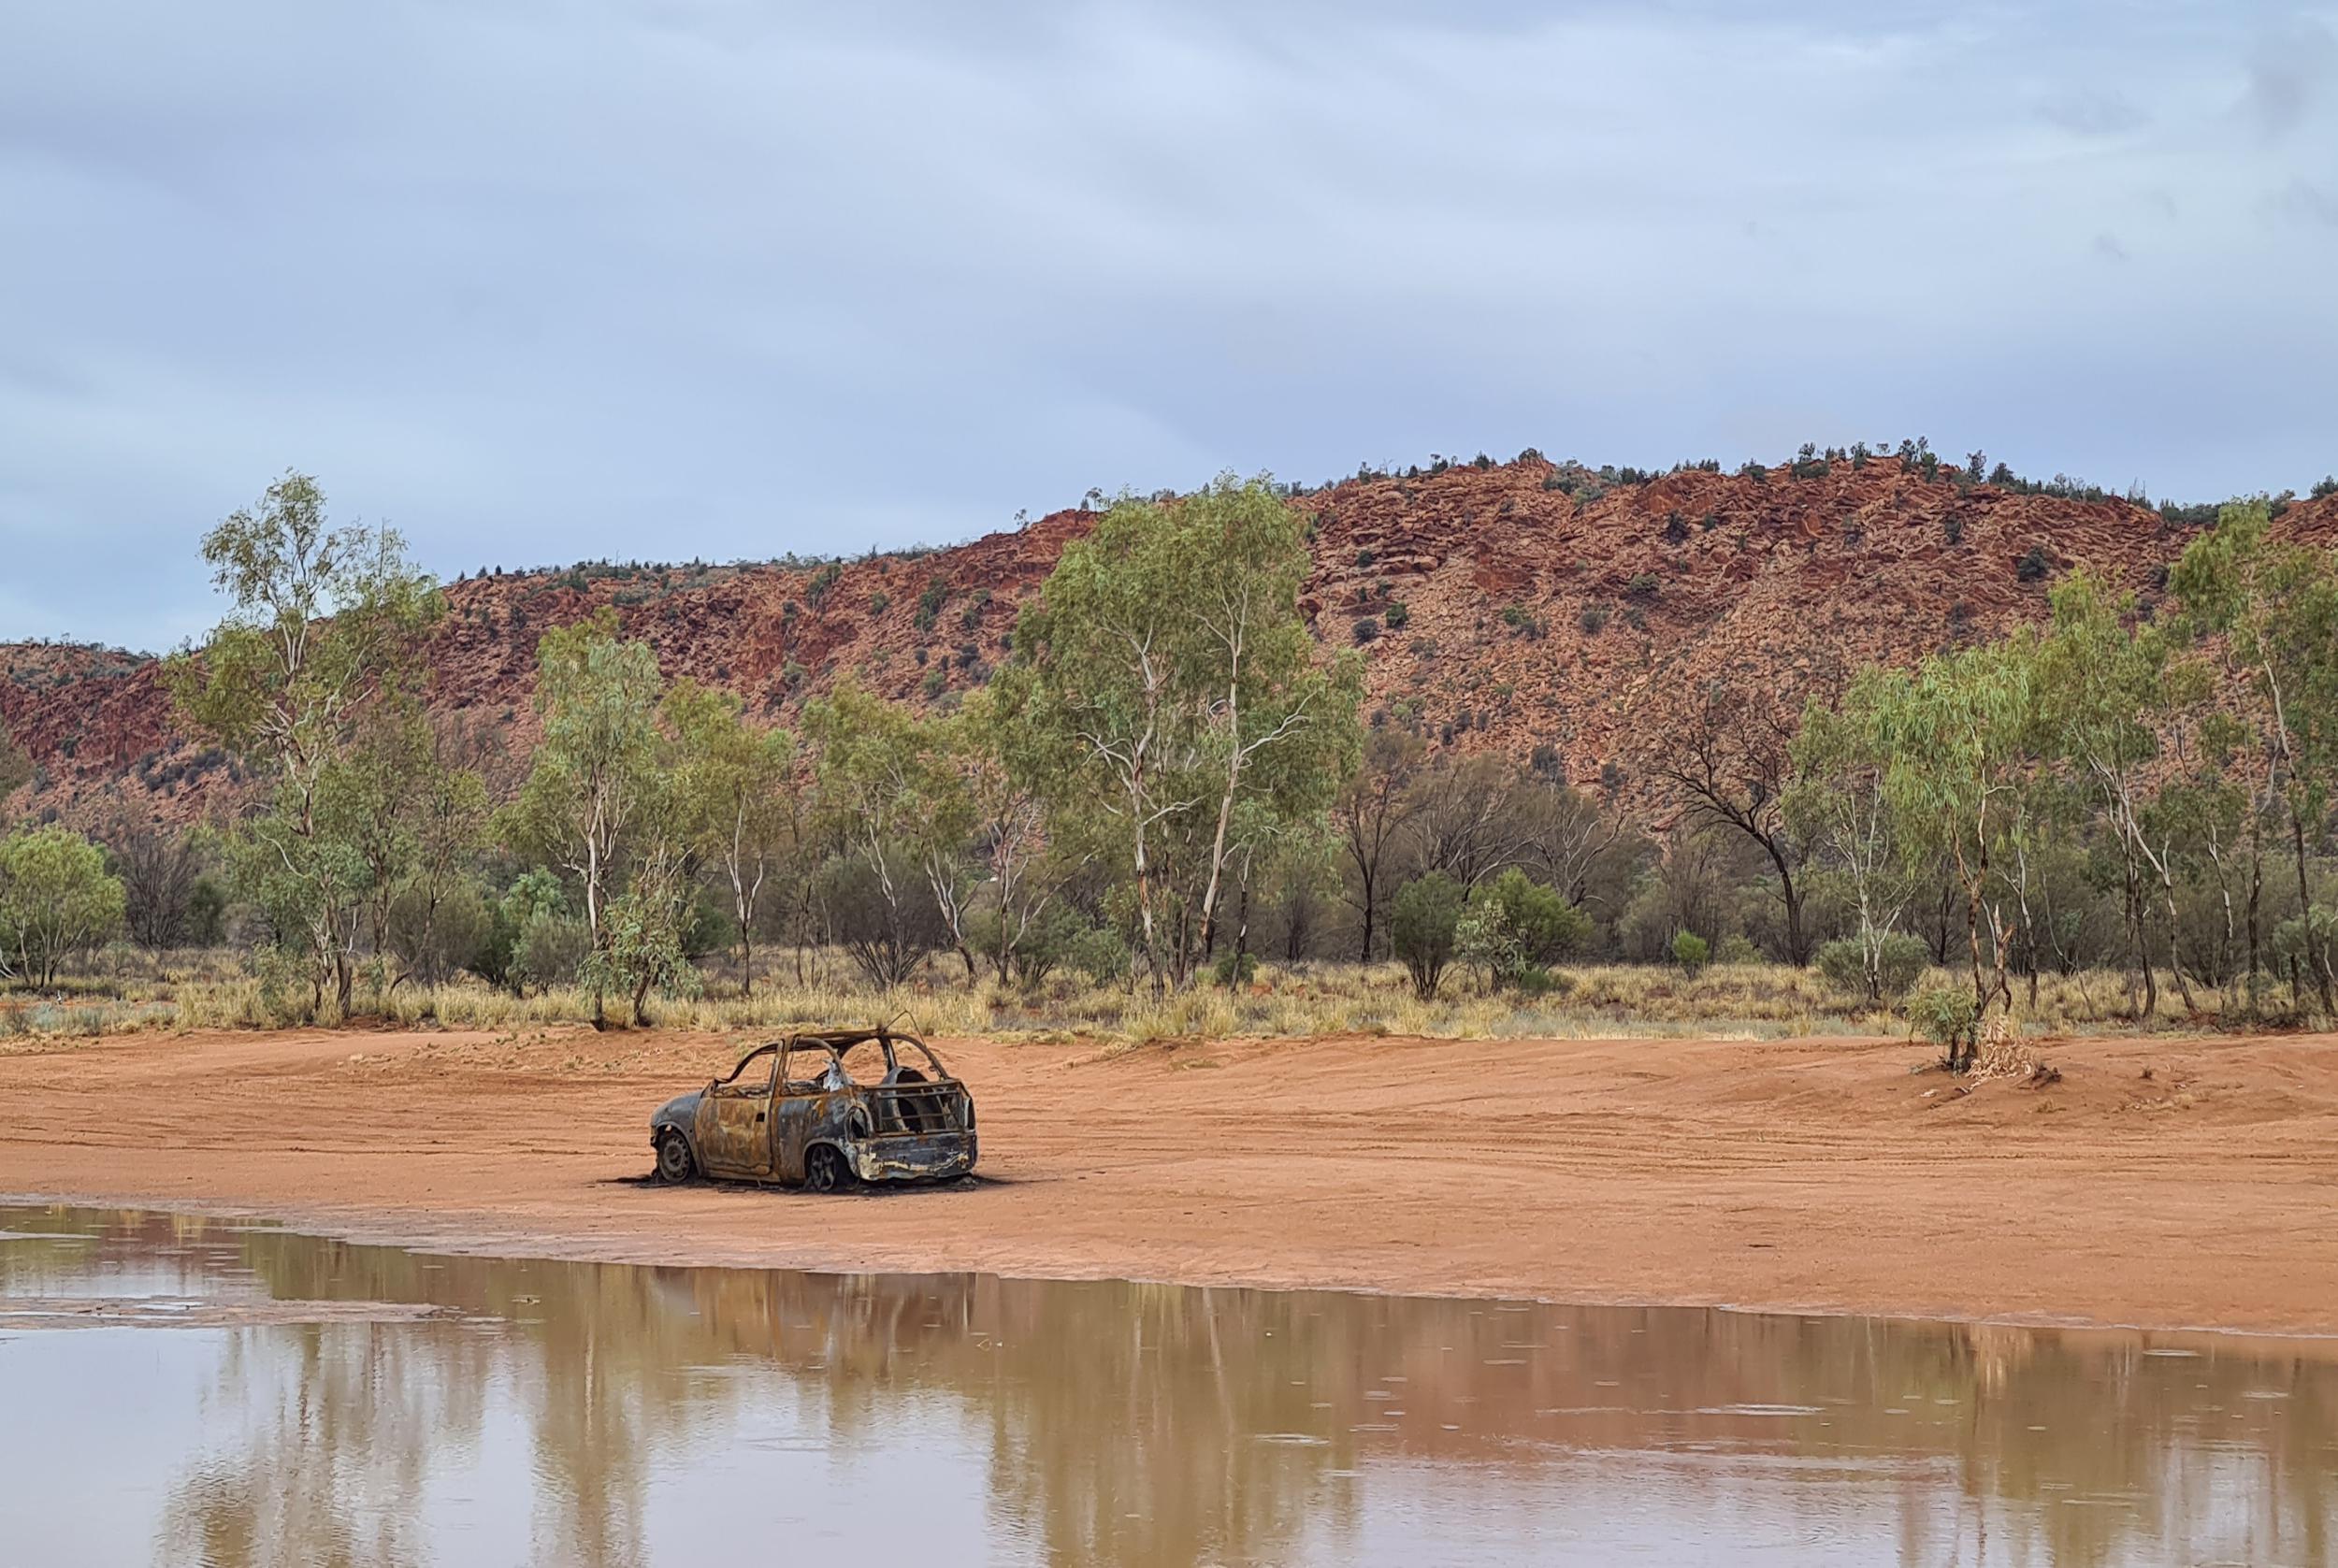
536, 281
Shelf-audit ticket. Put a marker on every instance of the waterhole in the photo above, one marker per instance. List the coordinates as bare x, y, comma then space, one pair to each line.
181, 1390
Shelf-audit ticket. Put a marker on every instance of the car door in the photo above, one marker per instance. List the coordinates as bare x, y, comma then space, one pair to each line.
734, 1129
800, 1109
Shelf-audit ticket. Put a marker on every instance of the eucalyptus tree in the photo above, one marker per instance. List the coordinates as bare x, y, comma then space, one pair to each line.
2105, 690
2270, 610
323, 634
596, 796
737, 787
1000, 760
1175, 679
1837, 805
56, 900
1370, 817
1731, 764
887, 789
1957, 741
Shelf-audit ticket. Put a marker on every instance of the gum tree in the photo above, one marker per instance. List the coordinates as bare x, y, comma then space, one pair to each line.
323, 633
1175, 677
737, 792
596, 796
1954, 739
56, 900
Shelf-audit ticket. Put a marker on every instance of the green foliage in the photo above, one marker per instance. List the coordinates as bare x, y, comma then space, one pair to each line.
1175, 715
1899, 963
1736, 948
1398, 616
1234, 970
320, 648
56, 900
597, 796
1949, 1017
930, 599
1423, 928
1691, 952
735, 801
1514, 925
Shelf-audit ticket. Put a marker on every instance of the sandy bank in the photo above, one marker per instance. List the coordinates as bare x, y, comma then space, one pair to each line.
1801, 1174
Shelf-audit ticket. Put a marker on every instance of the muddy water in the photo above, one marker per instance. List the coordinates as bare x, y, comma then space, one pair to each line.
178, 1390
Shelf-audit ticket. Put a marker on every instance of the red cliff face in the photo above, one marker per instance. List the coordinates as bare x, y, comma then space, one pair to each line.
1504, 607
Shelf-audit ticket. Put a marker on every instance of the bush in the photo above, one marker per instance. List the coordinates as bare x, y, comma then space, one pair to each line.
1515, 926
1397, 617
2032, 566
1691, 952
1235, 970
1948, 1016
1736, 948
1422, 923
2327, 486
1367, 630
1592, 619
1098, 953
1900, 961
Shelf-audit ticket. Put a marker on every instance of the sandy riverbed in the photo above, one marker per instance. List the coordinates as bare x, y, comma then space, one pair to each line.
1801, 1174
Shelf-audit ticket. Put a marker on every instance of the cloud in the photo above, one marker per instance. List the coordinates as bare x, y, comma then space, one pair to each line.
2091, 112
538, 281
2303, 203
2289, 73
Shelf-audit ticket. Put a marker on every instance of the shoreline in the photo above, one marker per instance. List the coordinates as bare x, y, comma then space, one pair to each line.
1799, 1178
372, 1230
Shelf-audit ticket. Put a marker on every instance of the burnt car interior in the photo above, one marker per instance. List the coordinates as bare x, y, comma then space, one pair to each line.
924, 1097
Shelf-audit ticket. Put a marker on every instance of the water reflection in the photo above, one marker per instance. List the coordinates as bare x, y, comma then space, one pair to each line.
602, 1414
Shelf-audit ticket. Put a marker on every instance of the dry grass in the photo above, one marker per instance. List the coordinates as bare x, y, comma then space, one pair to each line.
127, 990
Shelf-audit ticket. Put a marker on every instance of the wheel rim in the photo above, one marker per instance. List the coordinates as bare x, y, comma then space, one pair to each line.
674, 1160
823, 1170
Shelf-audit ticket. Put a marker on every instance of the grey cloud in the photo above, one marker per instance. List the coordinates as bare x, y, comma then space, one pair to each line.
2303, 202
2290, 72
2094, 113
536, 282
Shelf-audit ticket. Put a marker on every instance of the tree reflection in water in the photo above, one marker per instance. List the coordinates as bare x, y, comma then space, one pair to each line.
1118, 1423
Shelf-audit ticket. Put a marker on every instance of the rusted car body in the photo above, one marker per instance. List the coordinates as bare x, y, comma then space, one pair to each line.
822, 1111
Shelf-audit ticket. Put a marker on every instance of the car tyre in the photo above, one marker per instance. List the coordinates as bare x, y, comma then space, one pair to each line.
675, 1163
825, 1170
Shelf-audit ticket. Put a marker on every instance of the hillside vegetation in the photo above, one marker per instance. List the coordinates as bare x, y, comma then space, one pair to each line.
1877, 714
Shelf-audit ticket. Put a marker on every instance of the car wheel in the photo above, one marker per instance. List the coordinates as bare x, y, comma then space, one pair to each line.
825, 1170
674, 1164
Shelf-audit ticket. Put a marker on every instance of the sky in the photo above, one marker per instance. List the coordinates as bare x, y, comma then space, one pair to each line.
541, 280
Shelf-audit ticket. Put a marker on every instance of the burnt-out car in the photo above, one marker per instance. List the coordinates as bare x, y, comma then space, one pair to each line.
822, 1111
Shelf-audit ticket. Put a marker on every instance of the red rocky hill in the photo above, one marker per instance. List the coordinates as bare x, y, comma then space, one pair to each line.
1540, 606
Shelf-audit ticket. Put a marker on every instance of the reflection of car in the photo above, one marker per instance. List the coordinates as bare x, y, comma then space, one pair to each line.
822, 1111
